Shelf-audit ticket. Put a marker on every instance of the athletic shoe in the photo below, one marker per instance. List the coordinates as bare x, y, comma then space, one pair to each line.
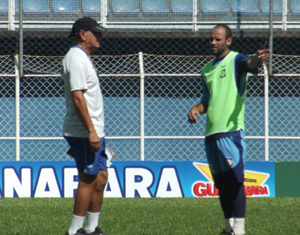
97, 232
79, 232
227, 233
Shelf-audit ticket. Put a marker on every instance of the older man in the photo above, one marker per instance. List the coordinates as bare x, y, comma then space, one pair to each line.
84, 125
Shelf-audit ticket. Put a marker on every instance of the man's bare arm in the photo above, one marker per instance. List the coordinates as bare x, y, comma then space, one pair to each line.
83, 114
196, 110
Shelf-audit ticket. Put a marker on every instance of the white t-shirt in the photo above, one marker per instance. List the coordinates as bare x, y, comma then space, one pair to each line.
80, 74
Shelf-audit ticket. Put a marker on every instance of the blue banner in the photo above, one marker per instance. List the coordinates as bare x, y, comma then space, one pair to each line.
130, 179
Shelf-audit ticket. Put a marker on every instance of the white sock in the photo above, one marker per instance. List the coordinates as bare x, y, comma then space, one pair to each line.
239, 226
92, 220
229, 224
76, 223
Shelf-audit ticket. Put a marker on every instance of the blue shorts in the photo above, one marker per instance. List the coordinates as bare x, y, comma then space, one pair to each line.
86, 161
226, 156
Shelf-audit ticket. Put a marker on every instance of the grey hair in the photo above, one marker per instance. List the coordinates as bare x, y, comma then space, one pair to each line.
77, 37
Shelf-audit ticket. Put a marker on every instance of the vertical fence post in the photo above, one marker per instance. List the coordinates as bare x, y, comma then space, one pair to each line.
142, 107
11, 15
271, 39
284, 14
195, 15
266, 110
268, 72
104, 12
17, 107
17, 83
21, 38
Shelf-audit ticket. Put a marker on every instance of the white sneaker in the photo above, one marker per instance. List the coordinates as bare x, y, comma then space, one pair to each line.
227, 233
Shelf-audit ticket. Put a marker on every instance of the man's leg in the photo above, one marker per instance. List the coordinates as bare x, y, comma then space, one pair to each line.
84, 193
232, 157
233, 203
82, 200
94, 207
239, 204
227, 207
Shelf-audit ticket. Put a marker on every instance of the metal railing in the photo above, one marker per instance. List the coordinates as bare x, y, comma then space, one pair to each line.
154, 96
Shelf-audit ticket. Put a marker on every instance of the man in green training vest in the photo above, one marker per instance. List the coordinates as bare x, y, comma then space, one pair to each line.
224, 82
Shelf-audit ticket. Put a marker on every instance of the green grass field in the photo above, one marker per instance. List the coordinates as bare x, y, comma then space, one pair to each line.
141, 216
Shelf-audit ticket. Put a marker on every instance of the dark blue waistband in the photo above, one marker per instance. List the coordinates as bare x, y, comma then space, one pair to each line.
217, 136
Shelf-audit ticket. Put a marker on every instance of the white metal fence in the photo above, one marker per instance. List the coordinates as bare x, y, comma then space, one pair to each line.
147, 98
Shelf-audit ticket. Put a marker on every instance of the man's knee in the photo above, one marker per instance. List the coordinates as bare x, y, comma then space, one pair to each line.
102, 178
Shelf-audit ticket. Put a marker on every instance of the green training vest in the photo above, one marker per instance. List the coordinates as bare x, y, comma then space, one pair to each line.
226, 109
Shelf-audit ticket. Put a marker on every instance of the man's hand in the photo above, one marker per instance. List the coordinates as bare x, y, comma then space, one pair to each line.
262, 55
94, 141
192, 115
